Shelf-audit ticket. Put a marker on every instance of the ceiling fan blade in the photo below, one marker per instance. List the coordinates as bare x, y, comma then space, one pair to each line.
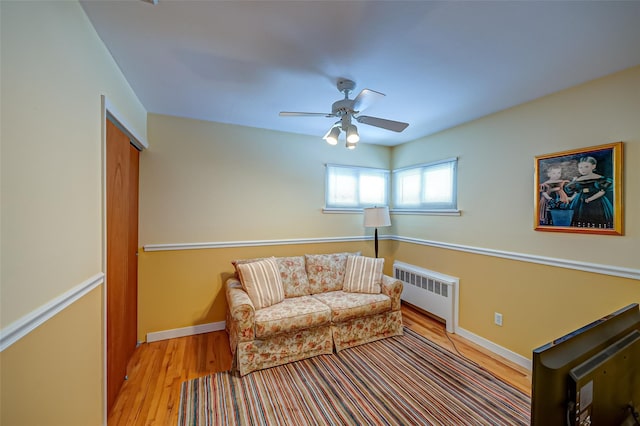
305, 114
365, 99
396, 126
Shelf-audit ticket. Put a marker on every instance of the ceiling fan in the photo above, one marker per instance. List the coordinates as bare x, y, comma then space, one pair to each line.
347, 109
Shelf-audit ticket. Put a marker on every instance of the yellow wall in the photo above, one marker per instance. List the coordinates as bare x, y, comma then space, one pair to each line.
538, 302
54, 68
186, 287
53, 376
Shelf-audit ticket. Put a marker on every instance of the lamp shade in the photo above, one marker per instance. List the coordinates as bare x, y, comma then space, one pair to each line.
352, 134
376, 217
332, 136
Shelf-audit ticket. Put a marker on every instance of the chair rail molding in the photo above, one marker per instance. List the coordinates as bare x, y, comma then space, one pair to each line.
23, 326
612, 270
227, 244
616, 271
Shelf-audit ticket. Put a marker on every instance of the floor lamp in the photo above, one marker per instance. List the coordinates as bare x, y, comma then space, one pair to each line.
376, 217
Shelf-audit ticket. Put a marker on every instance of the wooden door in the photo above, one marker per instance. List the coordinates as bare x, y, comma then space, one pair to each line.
132, 253
122, 265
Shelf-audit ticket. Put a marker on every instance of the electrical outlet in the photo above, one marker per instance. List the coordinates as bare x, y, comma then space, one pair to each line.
497, 318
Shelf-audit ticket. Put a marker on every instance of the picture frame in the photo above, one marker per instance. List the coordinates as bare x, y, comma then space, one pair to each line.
580, 191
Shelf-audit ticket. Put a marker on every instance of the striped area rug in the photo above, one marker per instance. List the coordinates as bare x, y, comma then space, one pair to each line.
403, 380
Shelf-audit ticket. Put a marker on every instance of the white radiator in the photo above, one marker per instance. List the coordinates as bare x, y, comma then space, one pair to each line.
432, 291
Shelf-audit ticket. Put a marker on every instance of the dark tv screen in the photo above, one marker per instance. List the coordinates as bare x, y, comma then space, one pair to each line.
553, 362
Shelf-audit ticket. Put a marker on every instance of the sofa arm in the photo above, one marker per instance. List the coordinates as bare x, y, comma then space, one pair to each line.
241, 313
393, 288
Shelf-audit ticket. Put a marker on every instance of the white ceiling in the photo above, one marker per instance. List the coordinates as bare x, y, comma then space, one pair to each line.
439, 63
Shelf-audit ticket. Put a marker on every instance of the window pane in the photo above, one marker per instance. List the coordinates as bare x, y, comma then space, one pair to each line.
408, 188
437, 184
372, 189
426, 187
356, 187
345, 190
343, 184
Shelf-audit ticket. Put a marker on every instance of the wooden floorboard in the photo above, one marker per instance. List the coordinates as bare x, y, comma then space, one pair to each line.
151, 395
510, 372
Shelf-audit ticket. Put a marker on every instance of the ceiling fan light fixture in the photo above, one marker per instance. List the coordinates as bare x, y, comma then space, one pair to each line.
332, 137
348, 109
352, 135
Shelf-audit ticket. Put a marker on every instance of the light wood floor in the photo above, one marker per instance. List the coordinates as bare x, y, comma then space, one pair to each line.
517, 376
152, 394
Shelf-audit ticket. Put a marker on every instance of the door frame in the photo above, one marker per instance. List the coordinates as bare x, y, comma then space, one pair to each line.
109, 112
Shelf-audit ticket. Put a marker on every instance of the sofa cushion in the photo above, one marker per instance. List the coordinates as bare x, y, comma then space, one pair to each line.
294, 276
363, 275
261, 280
290, 315
346, 306
326, 271
292, 273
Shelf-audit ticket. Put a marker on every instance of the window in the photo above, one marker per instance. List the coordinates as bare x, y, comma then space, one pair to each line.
426, 187
350, 188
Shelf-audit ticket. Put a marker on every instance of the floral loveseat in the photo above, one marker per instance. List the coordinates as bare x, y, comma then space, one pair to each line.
290, 308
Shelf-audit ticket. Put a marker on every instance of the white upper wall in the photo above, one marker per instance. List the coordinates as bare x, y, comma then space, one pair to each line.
210, 182
496, 172
54, 70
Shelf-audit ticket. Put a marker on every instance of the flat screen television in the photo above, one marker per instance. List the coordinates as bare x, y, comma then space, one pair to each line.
592, 373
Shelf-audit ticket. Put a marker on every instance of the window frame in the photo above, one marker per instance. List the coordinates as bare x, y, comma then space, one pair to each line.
424, 207
359, 206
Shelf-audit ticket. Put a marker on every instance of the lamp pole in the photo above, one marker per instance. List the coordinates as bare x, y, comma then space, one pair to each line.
376, 242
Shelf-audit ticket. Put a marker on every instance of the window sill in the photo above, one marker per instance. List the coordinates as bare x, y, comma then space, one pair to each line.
332, 210
443, 212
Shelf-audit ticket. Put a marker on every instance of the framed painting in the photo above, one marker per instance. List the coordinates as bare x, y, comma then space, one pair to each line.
580, 190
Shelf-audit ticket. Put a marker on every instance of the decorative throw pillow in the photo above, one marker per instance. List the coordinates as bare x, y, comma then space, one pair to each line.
326, 271
363, 275
261, 280
237, 262
292, 273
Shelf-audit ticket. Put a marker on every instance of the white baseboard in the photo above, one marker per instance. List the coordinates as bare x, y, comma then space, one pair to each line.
496, 349
185, 331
